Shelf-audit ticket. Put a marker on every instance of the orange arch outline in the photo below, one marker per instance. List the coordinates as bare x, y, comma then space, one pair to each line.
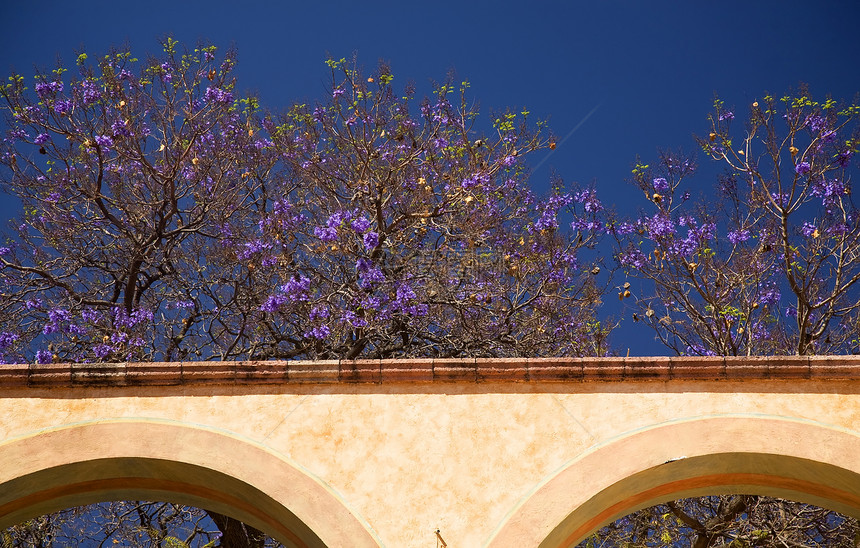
163, 460
795, 459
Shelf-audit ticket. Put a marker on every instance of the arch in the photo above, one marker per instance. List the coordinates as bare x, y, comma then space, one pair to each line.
799, 460
162, 460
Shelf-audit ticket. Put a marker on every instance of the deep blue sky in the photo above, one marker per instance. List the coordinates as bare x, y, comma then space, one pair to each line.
652, 67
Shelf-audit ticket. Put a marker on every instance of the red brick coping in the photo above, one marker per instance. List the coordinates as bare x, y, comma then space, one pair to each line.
433, 370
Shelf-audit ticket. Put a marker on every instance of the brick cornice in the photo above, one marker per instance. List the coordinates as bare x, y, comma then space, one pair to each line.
433, 370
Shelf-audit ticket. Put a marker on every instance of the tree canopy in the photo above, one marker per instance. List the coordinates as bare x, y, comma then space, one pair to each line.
166, 218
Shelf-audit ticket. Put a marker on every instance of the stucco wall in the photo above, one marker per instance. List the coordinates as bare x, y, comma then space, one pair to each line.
485, 461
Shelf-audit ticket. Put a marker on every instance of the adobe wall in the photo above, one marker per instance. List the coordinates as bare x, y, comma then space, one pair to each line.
490, 452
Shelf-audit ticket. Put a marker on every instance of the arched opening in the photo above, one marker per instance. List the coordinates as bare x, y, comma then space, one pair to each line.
797, 460
158, 460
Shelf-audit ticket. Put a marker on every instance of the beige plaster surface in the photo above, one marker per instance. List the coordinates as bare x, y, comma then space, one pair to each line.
498, 464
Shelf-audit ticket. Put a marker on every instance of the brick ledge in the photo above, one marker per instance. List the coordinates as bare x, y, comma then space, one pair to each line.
433, 370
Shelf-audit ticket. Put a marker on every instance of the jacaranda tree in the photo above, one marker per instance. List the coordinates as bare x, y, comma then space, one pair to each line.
769, 266
166, 217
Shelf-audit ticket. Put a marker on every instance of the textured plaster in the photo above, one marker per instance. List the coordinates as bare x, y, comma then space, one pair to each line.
504, 462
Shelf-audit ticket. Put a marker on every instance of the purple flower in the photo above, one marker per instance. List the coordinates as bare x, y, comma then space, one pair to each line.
273, 303
217, 95
90, 315
119, 129
326, 234
404, 301
781, 199
337, 218
633, 257
348, 316
319, 114
43, 357
319, 332
91, 92
802, 168
727, 115
45, 89
808, 229
770, 294
660, 225
621, 228
838, 229
738, 236
508, 161
816, 123
102, 351
56, 316
42, 138
474, 180
589, 201
336, 93
297, 288
660, 184
699, 350
790, 312
549, 215
829, 191
370, 274
62, 107
252, 248
104, 141
371, 240
360, 225
319, 312
7, 339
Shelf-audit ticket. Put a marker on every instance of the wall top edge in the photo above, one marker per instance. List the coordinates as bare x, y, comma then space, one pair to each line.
433, 370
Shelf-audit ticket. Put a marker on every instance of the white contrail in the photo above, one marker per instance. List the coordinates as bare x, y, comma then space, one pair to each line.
566, 137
